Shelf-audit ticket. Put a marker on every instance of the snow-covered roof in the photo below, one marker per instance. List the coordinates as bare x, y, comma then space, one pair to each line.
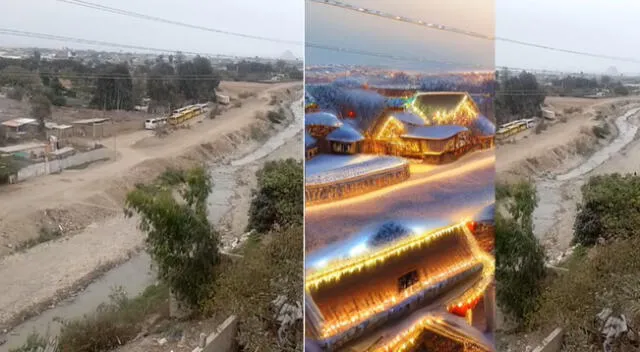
486, 214
309, 141
446, 101
322, 118
376, 164
434, 132
409, 118
345, 134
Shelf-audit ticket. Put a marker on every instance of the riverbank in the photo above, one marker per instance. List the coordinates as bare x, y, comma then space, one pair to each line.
244, 147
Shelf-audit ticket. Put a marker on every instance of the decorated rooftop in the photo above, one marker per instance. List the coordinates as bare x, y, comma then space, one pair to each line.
434, 132
322, 119
409, 118
345, 134
322, 170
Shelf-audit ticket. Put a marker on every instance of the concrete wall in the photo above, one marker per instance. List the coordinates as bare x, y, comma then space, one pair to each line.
552, 343
57, 165
224, 339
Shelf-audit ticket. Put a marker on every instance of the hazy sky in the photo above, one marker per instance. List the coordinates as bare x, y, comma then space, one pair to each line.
604, 27
336, 27
282, 19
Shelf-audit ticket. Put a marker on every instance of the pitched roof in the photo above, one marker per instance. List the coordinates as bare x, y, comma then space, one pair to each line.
345, 134
409, 118
438, 132
440, 100
322, 118
18, 122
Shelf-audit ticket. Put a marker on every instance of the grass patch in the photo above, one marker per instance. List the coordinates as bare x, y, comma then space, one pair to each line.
33, 343
44, 235
258, 134
115, 323
604, 277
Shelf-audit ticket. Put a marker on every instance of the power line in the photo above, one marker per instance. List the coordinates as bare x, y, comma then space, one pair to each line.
18, 33
445, 28
176, 23
311, 45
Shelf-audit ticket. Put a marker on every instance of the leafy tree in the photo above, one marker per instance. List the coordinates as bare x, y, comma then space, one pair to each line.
179, 237
197, 80
249, 286
520, 259
17, 76
278, 201
609, 209
621, 90
519, 96
40, 110
161, 86
114, 88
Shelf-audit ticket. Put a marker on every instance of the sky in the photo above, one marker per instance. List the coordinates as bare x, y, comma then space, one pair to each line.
603, 27
255, 17
336, 27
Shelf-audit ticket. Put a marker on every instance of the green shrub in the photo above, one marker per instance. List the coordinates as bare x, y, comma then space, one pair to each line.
610, 208
279, 197
115, 323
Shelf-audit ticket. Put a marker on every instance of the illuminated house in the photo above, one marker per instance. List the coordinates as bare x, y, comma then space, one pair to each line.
345, 140
310, 146
353, 297
320, 124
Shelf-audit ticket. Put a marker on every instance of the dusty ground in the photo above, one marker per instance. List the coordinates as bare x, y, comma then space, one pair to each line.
529, 153
39, 273
558, 149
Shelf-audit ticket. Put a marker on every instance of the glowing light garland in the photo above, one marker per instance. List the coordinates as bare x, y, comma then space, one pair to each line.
338, 270
408, 338
333, 328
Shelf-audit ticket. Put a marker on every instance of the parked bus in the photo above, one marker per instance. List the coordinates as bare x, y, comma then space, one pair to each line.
153, 123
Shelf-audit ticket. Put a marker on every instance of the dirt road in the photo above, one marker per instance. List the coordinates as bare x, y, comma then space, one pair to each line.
564, 147
39, 274
97, 192
561, 144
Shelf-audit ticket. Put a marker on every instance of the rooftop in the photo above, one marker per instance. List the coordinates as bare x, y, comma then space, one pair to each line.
18, 122
21, 147
322, 119
447, 101
438, 132
345, 134
90, 121
409, 118
332, 168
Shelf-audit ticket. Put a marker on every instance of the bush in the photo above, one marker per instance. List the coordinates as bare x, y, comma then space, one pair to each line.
115, 323
601, 131
276, 116
247, 288
34, 341
16, 93
245, 95
540, 127
237, 104
606, 277
520, 259
278, 201
609, 209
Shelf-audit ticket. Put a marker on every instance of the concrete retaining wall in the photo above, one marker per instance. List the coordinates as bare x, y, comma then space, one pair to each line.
224, 339
57, 165
552, 343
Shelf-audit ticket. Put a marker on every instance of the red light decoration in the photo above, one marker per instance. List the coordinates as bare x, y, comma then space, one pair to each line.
472, 226
461, 308
351, 114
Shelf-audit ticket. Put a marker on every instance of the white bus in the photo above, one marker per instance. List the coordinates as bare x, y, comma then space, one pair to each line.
153, 123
